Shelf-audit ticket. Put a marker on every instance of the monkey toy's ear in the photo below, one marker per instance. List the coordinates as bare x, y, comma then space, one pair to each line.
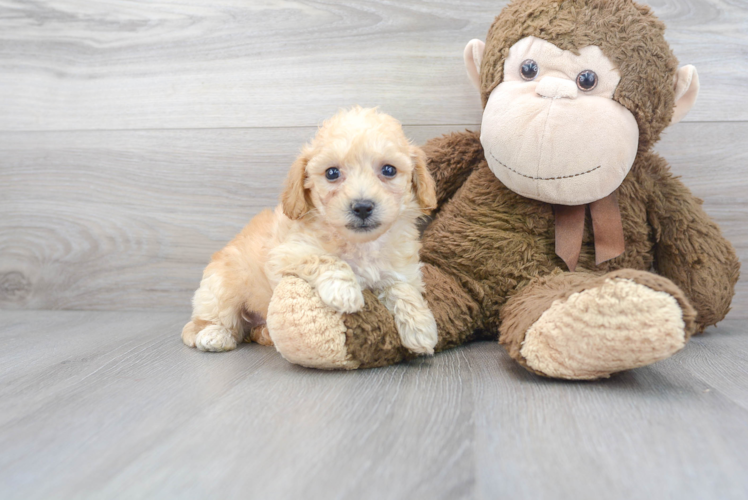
686, 83
473, 56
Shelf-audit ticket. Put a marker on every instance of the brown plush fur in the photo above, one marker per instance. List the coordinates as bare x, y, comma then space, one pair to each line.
488, 244
371, 337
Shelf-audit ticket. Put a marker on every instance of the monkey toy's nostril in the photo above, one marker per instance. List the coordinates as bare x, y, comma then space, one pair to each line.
362, 208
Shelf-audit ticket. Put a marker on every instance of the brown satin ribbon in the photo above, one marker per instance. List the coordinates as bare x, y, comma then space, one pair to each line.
606, 227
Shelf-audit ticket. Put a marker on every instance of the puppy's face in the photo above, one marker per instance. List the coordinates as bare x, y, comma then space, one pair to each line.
361, 174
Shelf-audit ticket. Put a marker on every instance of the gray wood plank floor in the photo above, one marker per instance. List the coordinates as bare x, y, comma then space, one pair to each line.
111, 405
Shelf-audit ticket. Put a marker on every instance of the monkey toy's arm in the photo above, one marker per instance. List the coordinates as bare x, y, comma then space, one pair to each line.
451, 159
690, 249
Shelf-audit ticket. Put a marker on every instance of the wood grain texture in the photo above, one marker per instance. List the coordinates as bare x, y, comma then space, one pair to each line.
137, 137
646, 433
125, 64
127, 220
111, 405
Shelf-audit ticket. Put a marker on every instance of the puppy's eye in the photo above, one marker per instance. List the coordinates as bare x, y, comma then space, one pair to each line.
528, 69
332, 173
389, 171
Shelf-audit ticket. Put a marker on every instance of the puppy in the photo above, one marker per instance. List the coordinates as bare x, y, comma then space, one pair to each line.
346, 222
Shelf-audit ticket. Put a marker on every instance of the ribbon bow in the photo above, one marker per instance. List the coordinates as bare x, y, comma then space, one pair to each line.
606, 227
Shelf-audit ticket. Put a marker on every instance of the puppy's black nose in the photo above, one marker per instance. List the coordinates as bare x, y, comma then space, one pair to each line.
362, 208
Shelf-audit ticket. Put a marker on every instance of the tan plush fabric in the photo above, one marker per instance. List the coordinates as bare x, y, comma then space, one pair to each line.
616, 326
686, 91
562, 65
472, 55
524, 310
569, 147
304, 330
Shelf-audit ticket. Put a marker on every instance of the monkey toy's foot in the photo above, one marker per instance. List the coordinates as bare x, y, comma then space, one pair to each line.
581, 326
306, 331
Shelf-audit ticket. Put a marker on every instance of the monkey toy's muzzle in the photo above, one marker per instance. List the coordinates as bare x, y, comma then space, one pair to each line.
549, 142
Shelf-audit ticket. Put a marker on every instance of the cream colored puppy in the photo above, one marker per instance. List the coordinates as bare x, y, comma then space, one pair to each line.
346, 222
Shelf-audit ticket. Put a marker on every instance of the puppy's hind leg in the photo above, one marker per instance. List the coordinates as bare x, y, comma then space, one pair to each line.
256, 325
216, 318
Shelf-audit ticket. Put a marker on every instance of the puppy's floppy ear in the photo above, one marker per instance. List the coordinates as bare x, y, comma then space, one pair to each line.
295, 201
423, 184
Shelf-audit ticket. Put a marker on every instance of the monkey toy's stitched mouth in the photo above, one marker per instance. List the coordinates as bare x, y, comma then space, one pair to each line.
557, 178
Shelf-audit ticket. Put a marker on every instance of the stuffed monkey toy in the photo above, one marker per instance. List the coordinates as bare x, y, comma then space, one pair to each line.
558, 229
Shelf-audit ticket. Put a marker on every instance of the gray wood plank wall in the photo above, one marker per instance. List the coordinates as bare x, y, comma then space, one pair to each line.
136, 138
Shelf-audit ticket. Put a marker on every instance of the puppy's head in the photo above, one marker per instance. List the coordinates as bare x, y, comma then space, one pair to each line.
360, 174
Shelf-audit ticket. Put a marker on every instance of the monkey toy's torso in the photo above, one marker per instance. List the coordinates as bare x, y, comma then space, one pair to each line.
497, 240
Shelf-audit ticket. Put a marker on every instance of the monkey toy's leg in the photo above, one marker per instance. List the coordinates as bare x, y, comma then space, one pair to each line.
308, 333
586, 326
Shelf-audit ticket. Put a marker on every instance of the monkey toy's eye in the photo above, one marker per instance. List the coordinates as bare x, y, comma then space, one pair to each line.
389, 171
587, 80
529, 69
332, 173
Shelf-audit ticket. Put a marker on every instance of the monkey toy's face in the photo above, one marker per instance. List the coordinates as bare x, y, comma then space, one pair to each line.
551, 130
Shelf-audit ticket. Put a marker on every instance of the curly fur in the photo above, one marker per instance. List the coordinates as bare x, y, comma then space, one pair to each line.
314, 234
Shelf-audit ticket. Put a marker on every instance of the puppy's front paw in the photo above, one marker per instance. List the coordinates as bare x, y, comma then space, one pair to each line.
418, 332
343, 296
215, 338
